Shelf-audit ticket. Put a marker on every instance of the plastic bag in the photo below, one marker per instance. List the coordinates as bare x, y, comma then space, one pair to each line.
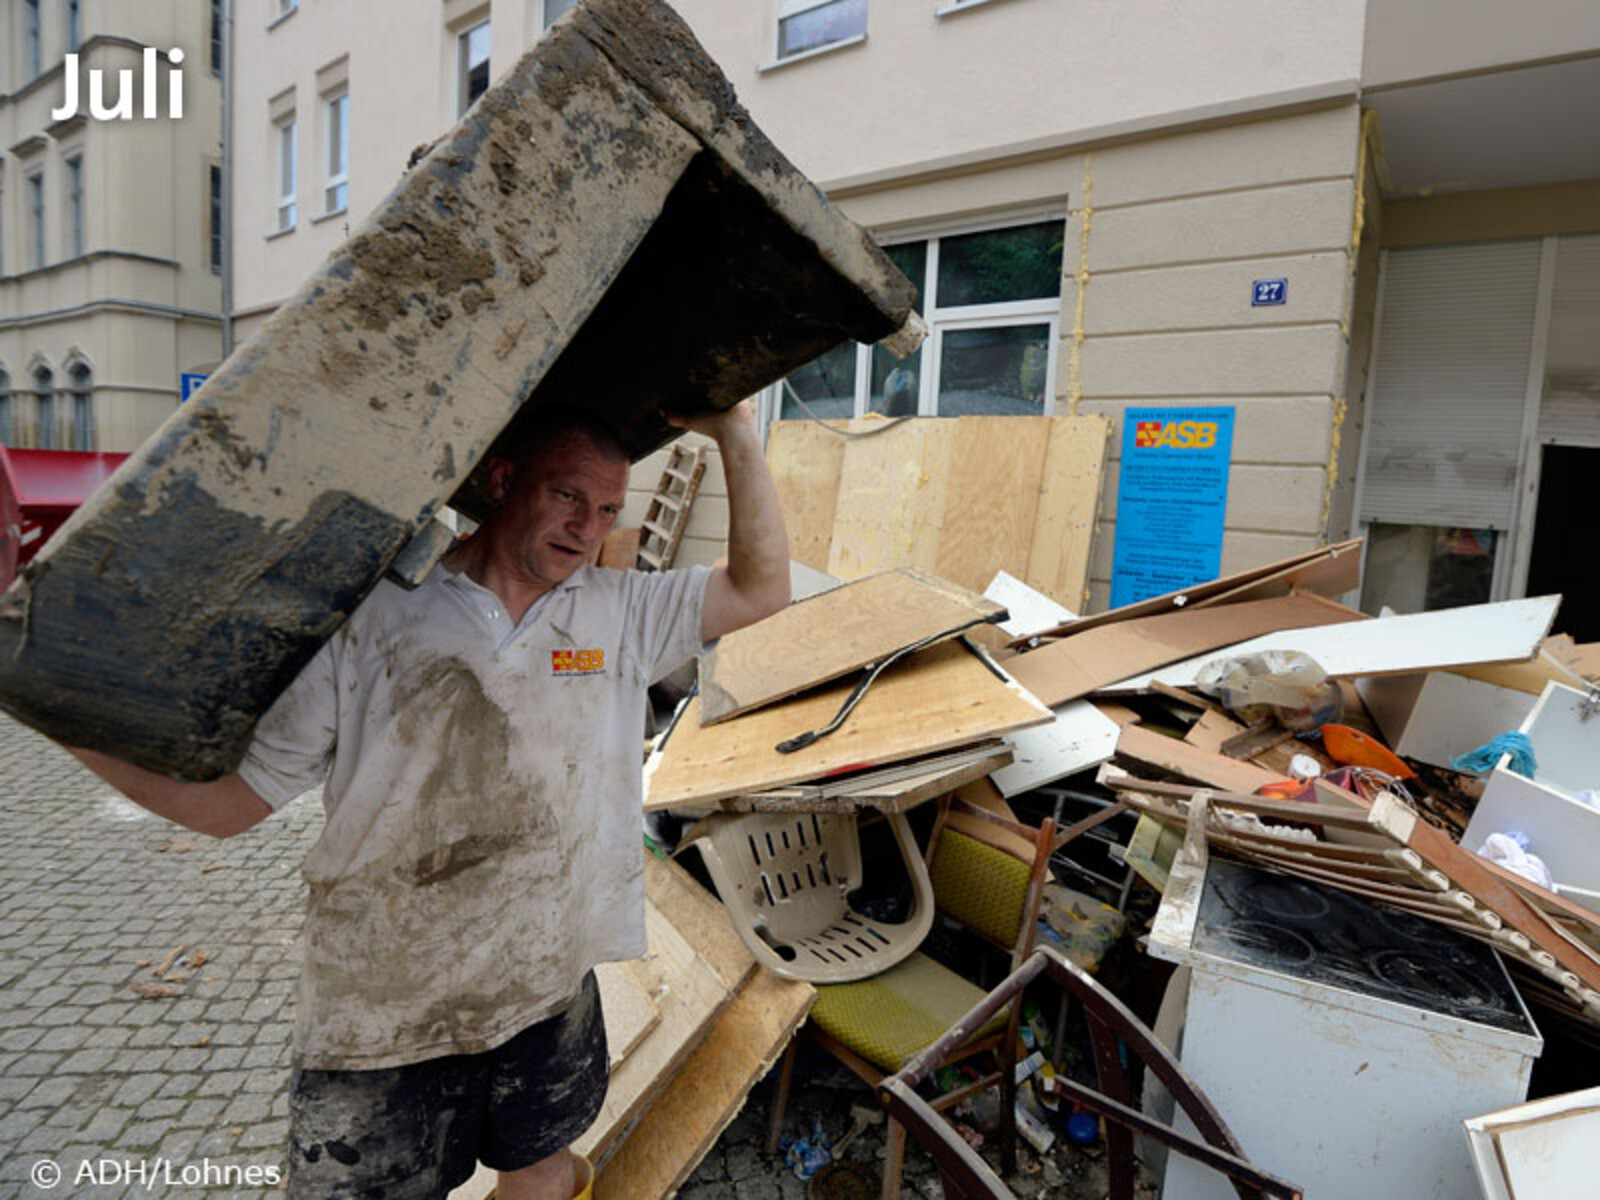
1510, 850
1285, 684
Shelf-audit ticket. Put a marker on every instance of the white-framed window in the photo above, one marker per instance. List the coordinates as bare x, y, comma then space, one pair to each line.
31, 49
74, 25
805, 25
284, 132
74, 181
992, 300
336, 163
551, 11
472, 65
36, 218
282, 8
82, 389
44, 401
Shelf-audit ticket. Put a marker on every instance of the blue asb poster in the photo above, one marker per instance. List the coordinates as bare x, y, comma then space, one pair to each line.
1171, 499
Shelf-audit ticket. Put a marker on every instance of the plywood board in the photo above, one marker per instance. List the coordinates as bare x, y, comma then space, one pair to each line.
707, 1092
689, 996
1087, 662
1479, 633
895, 789
700, 917
1215, 770
1211, 730
631, 1011
1081, 736
892, 488
982, 793
1069, 508
1030, 609
937, 699
805, 459
831, 635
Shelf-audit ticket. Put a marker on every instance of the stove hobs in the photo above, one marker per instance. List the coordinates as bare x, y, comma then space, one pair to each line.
1303, 930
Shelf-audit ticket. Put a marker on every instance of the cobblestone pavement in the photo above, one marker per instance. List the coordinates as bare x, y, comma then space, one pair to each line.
94, 896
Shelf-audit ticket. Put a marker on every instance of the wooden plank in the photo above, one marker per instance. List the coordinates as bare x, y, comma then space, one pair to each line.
906, 789
1479, 633
1088, 662
937, 699
707, 1092
805, 459
828, 636
893, 487
700, 917
1527, 677
1154, 749
1069, 507
631, 1011
689, 995
982, 793
1211, 730
994, 467
1332, 574
620, 550
1237, 586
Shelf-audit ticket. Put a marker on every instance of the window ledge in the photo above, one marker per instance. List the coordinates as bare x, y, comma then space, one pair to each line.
954, 8
278, 233
281, 18
804, 55
328, 216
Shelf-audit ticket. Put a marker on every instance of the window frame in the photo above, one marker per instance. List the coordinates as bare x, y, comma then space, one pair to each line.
72, 167
216, 45
80, 386
336, 135
545, 19
284, 7
32, 40
215, 216
955, 318
7, 410
285, 132
464, 102
44, 406
36, 219
789, 9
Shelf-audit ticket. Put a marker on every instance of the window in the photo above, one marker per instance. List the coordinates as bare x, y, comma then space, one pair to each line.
472, 66
284, 7
30, 39
216, 36
555, 9
992, 299
214, 222
82, 407
74, 168
809, 25
335, 190
74, 25
36, 217
44, 398
286, 174
6, 436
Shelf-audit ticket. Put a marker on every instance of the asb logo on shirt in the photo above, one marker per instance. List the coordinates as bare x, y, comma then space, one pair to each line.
1182, 435
577, 662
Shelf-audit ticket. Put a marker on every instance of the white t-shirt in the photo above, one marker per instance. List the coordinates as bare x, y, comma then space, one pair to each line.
483, 793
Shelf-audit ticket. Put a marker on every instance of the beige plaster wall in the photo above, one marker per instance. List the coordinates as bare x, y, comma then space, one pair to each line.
1422, 39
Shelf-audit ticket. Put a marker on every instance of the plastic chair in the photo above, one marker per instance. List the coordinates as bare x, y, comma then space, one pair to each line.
876, 1026
785, 879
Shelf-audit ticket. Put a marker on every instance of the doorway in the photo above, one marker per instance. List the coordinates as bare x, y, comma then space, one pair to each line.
1564, 557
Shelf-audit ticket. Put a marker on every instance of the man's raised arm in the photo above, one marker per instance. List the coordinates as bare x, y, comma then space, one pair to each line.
755, 583
220, 808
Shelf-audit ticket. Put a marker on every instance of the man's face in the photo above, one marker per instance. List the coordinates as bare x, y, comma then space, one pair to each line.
557, 508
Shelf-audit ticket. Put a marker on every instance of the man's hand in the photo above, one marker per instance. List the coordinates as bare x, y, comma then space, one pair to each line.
219, 809
755, 583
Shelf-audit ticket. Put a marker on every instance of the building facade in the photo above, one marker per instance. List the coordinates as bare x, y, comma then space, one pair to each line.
1086, 196
111, 248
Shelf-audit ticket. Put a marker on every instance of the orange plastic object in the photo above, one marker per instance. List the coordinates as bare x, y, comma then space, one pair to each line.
1355, 749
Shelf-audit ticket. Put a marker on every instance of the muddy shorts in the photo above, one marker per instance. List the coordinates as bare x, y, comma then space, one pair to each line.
415, 1132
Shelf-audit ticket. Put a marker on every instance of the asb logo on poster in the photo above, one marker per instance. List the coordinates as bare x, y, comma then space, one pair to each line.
577, 662
1181, 435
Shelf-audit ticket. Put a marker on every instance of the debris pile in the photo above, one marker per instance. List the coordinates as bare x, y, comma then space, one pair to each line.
1372, 837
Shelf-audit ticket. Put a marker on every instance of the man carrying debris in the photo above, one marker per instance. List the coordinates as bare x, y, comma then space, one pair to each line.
478, 739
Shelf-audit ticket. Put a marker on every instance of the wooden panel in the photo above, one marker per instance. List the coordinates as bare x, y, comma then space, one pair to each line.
805, 460
696, 913
893, 789
993, 469
1103, 656
631, 1011
708, 1091
828, 636
1069, 499
1214, 770
891, 495
937, 699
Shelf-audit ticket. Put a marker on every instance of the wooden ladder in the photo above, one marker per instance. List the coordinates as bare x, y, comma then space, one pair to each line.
668, 514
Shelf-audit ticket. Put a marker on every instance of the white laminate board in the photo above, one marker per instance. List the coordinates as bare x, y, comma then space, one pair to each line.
1543, 1150
1031, 610
1080, 737
1509, 631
